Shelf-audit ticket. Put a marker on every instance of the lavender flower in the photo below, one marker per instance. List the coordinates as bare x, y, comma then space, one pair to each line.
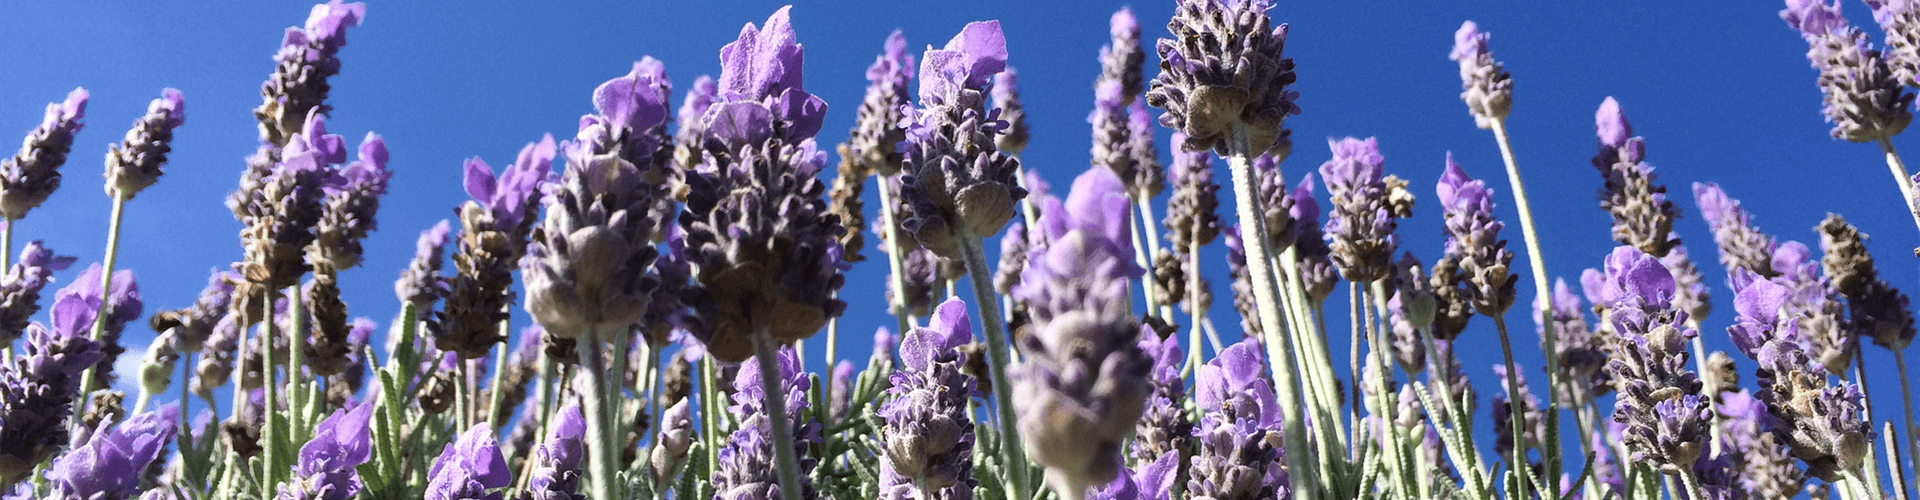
870, 146
1876, 310
1154, 480
1473, 234
351, 206
1115, 93
557, 467
279, 214
1581, 355
1006, 100
325, 468
1165, 427
1275, 197
1409, 312
306, 59
1223, 71
956, 181
1642, 215
1765, 467
1317, 272
121, 305
1360, 227
675, 438
1192, 220
1864, 99
469, 467
136, 162
494, 231
1083, 332
1742, 246
37, 388
1692, 296
928, 433
420, 283
746, 461
1819, 421
1659, 396
587, 269
1531, 418
1486, 86
1239, 433
108, 465
193, 325
1900, 19
20, 289
765, 251
27, 178
1815, 306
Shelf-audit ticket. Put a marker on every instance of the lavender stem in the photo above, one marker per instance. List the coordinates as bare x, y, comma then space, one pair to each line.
1153, 248
106, 289
1280, 358
895, 256
1538, 264
1900, 178
296, 345
499, 374
1144, 260
709, 420
1379, 352
1517, 456
1193, 299
600, 453
1311, 344
975, 259
1906, 398
775, 396
1893, 460
1860, 376
268, 380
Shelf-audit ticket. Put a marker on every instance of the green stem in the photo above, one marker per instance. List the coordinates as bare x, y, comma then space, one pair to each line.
269, 433
106, 293
616, 394
1153, 244
1280, 359
1311, 342
1517, 454
1396, 444
996, 339
601, 455
296, 347
1692, 484
773, 387
1900, 178
1542, 293
1906, 399
1898, 476
709, 415
1193, 302
6, 244
1145, 261
891, 228
499, 375
1870, 467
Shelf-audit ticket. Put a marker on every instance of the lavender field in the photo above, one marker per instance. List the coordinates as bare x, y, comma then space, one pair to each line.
702, 289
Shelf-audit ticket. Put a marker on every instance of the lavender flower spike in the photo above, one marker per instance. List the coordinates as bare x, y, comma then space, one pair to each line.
1473, 236
1863, 98
37, 389
1360, 226
494, 229
325, 468
20, 289
1165, 427
109, 465
1742, 246
27, 178
351, 207
957, 182
557, 462
421, 283
928, 433
1239, 456
1486, 86
136, 162
308, 56
1900, 19
121, 305
1082, 332
1818, 420
469, 468
1642, 215
1659, 395
1209, 90
747, 460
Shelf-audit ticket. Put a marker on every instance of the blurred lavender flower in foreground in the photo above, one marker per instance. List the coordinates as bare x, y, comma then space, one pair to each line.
1084, 381
325, 468
746, 468
928, 434
121, 305
20, 289
1154, 480
27, 178
1239, 434
109, 464
136, 162
37, 389
1222, 70
1486, 86
557, 461
469, 468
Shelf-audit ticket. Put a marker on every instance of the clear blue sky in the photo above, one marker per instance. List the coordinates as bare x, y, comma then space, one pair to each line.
1721, 95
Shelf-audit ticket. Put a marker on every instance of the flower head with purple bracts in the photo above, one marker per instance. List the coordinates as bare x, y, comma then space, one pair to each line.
1239, 433
747, 459
1222, 72
1742, 246
1164, 428
587, 270
136, 162
1473, 234
325, 468
928, 433
37, 389
1765, 466
1116, 90
1642, 215
1581, 354
421, 283
1084, 381
470, 468
27, 178
1815, 306
83, 299
1818, 420
1150, 177
1692, 296
495, 226
1659, 395
109, 464
351, 207
20, 290
1275, 196
1154, 480
1360, 226
1193, 218
1317, 272
870, 147
1864, 98
556, 462
956, 180
1900, 19
1486, 86
1876, 309
280, 213
765, 250
1531, 417
193, 325
306, 59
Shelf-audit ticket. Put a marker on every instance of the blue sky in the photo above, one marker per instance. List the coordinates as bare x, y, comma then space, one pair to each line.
1722, 95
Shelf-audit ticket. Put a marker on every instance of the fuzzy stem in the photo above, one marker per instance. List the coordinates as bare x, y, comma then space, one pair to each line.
1027, 213
891, 229
616, 394
1145, 261
1353, 361
1471, 469
499, 375
710, 408
1692, 484
1280, 359
1906, 398
1894, 472
600, 455
1709, 379
296, 356
1193, 302
775, 397
1517, 454
1870, 467
1900, 178
268, 381
1153, 244
106, 293
1396, 445
1310, 336
1542, 293
996, 338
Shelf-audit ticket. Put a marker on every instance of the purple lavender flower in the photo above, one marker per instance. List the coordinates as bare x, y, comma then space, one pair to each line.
1165, 427
193, 325
1531, 418
421, 283
1876, 309
1486, 86
27, 178
351, 206
1642, 215
1659, 395
136, 162
1150, 177
280, 213
1210, 88
1360, 227
870, 147
1581, 355
108, 465
1154, 480
306, 59
1742, 246
928, 433
1765, 467
469, 468
1863, 97
121, 305
494, 229
325, 468
1115, 92
1473, 235
1900, 19
20, 290
557, 464
1819, 421
1239, 433
747, 460
37, 389
1192, 212
1083, 332
1815, 307
1317, 273
765, 251
956, 181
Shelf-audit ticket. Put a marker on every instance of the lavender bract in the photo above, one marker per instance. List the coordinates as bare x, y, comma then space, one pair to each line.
20, 290
1742, 245
495, 226
28, 177
1473, 236
1863, 98
1817, 420
1239, 434
928, 435
1642, 215
956, 181
37, 389
469, 468
1360, 227
747, 460
120, 304
325, 467
557, 461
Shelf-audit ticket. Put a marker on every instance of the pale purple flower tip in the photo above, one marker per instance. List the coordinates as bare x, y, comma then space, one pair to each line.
509, 196
328, 22
1813, 17
325, 467
66, 114
1468, 42
764, 61
895, 66
468, 467
969, 60
1610, 124
630, 101
556, 472
928, 434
